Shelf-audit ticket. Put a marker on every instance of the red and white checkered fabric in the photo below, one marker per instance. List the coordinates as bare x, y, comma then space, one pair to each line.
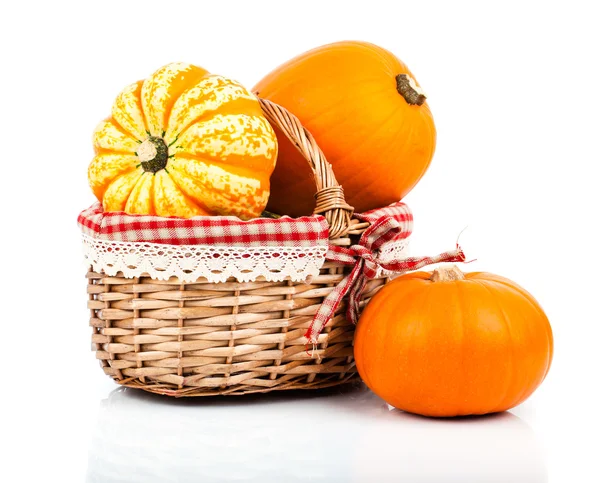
306, 231
387, 224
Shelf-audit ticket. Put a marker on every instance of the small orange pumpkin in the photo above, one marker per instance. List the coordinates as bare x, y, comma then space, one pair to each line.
368, 115
184, 143
453, 344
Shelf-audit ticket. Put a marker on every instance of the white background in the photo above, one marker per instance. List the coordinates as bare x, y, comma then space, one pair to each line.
514, 91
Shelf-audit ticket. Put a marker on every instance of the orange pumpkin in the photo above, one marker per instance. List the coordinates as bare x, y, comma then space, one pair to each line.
183, 143
368, 115
453, 344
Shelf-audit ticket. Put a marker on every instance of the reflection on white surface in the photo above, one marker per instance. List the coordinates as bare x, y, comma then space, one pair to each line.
337, 435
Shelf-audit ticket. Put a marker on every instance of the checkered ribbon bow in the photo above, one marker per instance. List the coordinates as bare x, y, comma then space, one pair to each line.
387, 224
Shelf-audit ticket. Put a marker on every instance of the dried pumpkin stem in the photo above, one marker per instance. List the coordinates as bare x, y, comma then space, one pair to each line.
408, 88
447, 274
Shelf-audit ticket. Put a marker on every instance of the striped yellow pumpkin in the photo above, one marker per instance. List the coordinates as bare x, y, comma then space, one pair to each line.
184, 143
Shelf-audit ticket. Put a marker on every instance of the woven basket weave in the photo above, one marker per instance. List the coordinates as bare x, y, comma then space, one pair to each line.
201, 338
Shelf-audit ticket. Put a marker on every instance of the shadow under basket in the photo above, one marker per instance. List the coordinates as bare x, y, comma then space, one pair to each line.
200, 338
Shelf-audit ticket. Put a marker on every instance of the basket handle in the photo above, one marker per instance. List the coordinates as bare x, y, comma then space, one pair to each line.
330, 201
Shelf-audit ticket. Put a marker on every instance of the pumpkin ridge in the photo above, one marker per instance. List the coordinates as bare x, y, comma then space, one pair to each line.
179, 171
503, 404
171, 80
211, 93
459, 297
201, 206
105, 151
168, 194
229, 166
151, 188
173, 98
136, 195
97, 175
402, 135
424, 304
120, 128
524, 394
219, 110
358, 174
381, 336
383, 331
244, 155
142, 112
330, 105
123, 130
120, 105
106, 195
516, 288
107, 137
233, 169
325, 107
359, 356
364, 141
425, 114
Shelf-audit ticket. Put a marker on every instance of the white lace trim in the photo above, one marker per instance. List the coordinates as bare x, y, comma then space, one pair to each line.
215, 264
190, 262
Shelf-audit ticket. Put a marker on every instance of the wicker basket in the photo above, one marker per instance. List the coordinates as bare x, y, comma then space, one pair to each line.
201, 338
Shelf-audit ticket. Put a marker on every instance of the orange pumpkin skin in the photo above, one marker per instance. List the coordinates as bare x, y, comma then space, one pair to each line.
346, 95
453, 348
